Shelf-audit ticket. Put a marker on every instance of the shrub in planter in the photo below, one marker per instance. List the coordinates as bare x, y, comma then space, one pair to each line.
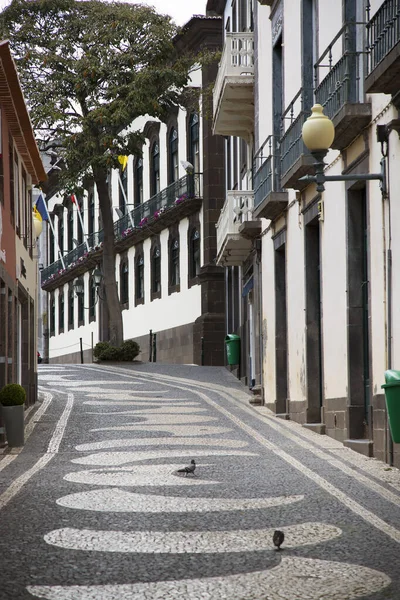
127, 352
12, 394
12, 400
111, 353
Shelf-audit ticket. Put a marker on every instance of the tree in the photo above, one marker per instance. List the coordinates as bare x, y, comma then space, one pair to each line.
88, 69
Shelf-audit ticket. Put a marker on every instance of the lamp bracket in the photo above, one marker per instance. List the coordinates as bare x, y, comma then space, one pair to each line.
320, 178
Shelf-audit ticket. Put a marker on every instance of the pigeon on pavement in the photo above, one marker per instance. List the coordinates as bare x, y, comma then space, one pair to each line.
278, 539
189, 469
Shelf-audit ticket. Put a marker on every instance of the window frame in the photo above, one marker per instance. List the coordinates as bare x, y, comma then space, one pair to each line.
139, 277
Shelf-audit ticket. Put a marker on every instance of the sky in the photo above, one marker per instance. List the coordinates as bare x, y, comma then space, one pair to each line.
180, 10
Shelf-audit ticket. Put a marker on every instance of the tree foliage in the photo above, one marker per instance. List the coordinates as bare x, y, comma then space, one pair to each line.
88, 69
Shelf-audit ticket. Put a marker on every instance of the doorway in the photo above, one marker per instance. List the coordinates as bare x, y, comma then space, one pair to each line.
313, 321
280, 325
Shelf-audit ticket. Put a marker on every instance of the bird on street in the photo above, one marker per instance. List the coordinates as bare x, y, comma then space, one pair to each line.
278, 539
188, 469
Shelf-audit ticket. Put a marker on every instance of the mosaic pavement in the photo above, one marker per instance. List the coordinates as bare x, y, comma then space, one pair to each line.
106, 515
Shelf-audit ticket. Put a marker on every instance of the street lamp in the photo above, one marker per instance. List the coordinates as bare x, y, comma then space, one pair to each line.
318, 134
79, 285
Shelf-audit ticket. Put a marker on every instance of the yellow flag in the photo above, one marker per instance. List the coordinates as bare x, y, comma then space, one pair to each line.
36, 213
124, 161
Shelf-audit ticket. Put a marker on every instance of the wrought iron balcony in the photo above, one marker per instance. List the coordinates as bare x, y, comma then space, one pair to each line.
232, 247
296, 161
234, 87
269, 199
383, 37
341, 90
159, 212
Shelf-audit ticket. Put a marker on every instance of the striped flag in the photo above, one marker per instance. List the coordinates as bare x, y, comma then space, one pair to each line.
40, 209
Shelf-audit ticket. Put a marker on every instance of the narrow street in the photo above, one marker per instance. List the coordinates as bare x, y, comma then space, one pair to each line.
93, 507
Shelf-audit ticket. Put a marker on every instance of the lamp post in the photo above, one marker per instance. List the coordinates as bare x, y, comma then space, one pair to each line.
318, 134
79, 286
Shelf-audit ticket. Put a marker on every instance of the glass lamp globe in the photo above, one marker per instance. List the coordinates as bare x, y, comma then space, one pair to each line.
318, 130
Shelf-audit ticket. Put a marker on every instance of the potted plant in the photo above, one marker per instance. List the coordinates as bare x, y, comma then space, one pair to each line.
12, 401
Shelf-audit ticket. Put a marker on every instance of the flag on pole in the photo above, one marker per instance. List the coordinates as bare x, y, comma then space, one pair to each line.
40, 209
36, 213
124, 161
73, 199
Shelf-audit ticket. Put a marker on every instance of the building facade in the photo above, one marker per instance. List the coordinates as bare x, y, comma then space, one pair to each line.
171, 291
20, 168
328, 323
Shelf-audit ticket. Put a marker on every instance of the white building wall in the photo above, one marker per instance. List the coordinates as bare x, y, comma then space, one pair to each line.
268, 318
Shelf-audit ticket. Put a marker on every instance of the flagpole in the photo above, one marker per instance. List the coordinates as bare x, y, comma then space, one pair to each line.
54, 233
80, 220
125, 199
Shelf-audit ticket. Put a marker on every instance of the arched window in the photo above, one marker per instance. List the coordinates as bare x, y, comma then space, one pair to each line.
194, 150
70, 232
61, 231
61, 310
71, 304
124, 180
194, 254
138, 182
156, 271
51, 243
52, 314
173, 174
91, 212
124, 282
81, 310
174, 262
80, 207
155, 170
139, 279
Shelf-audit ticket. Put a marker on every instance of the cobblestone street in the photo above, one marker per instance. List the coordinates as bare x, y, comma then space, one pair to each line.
93, 507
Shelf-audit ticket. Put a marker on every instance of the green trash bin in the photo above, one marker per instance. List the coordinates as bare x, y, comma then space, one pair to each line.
232, 343
392, 395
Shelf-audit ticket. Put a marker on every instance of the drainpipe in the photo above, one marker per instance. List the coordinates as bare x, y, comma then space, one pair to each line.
389, 294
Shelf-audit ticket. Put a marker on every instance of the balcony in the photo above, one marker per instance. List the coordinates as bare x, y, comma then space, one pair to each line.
232, 246
383, 35
178, 200
269, 199
295, 160
341, 88
233, 97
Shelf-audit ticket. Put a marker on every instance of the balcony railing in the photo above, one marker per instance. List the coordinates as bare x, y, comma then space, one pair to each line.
292, 146
237, 209
342, 82
237, 60
266, 170
383, 32
189, 186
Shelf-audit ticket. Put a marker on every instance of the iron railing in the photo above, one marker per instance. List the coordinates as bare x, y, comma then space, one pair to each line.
383, 32
187, 187
291, 143
266, 170
342, 82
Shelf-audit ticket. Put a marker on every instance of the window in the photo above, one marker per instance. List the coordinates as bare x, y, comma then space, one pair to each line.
124, 282
70, 232
92, 300
79, 206
194, 152
52, 314
11, 172
194, 254
173, 156
61, 310
71, 300
51, 242
139, 280
123, 200
81, 310
156, 273
174, 262
155, 170
91, 212
138, 182
61, 232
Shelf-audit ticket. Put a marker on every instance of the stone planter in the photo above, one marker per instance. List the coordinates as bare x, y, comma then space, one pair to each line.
13, 418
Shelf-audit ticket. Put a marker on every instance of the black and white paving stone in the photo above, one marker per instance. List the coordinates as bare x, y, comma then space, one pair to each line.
93, 506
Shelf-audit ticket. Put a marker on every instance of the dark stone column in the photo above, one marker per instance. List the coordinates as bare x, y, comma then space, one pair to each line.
211, 324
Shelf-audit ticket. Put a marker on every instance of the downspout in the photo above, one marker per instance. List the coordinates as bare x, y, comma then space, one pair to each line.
389, 294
